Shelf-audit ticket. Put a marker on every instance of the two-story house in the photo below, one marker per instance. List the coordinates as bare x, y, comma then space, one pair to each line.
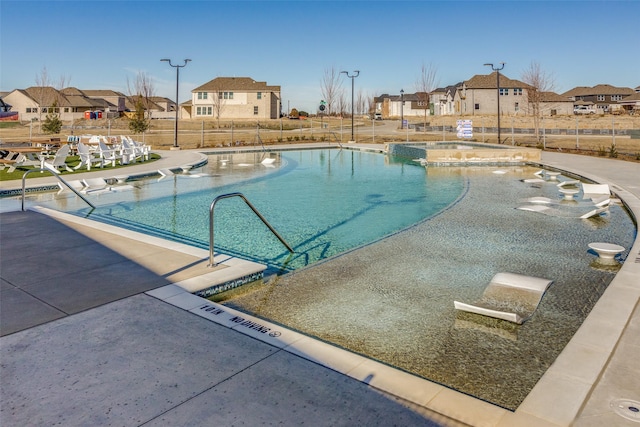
235, 98
442, 100
479, 95
600, 97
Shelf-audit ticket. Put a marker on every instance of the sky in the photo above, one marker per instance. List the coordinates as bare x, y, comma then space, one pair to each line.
106, 44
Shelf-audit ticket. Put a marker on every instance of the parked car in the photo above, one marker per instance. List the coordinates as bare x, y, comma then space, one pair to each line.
582, 109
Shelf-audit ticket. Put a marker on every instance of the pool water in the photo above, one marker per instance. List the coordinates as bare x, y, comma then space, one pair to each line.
322, 202
383, 248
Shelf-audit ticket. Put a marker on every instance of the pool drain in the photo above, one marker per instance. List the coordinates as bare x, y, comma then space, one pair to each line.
629, 409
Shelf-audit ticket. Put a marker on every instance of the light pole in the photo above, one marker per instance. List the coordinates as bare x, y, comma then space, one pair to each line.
497, 70
401, 108
177, 67
352, 77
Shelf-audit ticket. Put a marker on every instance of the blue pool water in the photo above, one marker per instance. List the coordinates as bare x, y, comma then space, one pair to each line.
322, 202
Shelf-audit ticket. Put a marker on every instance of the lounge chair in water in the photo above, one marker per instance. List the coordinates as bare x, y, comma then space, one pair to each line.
100, 185
509, 296
591, 191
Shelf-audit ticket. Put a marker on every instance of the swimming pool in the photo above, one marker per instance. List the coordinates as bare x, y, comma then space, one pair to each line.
391, 299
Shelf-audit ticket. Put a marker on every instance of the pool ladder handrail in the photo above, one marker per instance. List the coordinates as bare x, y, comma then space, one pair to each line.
57, 175
226, 196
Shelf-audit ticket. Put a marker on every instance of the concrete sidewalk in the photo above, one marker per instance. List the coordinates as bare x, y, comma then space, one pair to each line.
87, 341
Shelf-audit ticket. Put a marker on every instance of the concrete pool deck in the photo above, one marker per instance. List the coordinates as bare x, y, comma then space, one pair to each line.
87, 338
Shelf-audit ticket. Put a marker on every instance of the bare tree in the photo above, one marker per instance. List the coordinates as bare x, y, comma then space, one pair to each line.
218, 101
425, 84
361, 102
47, 93
142, 89
540, 83
331, 89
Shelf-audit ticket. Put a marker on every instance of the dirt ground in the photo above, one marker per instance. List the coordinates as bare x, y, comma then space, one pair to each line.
213, 133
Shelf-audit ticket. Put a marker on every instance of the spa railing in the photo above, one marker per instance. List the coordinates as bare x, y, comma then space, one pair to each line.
226, 196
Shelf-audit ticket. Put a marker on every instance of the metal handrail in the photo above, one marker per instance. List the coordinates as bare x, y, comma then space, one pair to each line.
226, 196
24, 180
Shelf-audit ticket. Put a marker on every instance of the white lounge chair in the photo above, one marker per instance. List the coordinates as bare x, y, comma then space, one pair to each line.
595, 190
509, 296
58, 161
88, 157
100, 185
108, 154
564, 213
15, 160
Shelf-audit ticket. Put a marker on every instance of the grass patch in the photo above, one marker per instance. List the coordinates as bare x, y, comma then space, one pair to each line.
72, 161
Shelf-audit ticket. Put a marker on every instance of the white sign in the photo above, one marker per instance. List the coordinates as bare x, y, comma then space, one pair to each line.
464, 129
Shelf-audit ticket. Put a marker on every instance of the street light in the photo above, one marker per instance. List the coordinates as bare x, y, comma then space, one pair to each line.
401, 108
352, 77
497, 70
177, 67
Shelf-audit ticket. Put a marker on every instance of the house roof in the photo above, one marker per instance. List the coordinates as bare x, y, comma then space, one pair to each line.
553, 97
601, 89
489, 81
240, 84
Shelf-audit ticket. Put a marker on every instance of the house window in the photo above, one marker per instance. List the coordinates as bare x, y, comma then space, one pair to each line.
517, 106
616, 97
600, 97
227, 95
259, 95
476, 106
29, 110
66, 109
204, 111
517, 91
255, 110
202, 95
504, 92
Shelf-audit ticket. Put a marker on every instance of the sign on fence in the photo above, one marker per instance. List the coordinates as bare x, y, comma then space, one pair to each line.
464, 128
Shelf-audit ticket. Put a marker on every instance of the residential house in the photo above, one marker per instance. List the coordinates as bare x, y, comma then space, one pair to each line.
234, 98
442, 100
479, 95
631, 103
602, 97
35, 102
405, 105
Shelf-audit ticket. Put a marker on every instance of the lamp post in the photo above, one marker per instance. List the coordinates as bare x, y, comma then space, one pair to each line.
352, 77
177, 67
401, 108
497, 70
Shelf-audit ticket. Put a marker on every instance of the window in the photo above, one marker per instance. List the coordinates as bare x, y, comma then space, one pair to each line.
255, 110
600, 97
517, 106
259, 95
476, 106
66, 109
29, 110
204, 111
202, 95
504, 92
226, 95
616, 97
517, 91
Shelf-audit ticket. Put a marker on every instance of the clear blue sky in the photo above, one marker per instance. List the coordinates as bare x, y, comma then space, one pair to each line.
101, 44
